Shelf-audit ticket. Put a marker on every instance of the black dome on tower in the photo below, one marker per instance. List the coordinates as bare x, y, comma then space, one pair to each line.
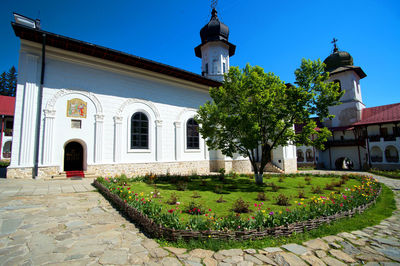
338, 59
341, 61
214, 31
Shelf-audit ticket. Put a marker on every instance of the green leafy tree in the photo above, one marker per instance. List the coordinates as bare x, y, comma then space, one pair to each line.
253, 108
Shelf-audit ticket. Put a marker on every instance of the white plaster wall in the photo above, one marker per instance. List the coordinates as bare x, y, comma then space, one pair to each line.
112, 87
350, 83
63, 133
25, 108
218, 52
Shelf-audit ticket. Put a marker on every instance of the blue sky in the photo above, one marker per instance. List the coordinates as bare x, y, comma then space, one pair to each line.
275, 35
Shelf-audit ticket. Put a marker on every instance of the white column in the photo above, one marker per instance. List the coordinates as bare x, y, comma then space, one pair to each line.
178, 140
117, 138
206, 151
29, 110
158, 140
49, 116
98, 152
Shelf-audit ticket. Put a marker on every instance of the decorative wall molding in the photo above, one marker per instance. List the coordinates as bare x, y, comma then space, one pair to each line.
135, 100
186, 110
51, 103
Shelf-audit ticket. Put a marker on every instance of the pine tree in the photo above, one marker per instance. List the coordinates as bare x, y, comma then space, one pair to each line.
3, 82
11, 82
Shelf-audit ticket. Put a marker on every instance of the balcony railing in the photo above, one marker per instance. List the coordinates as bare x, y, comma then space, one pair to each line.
375, 138
348, 142
309, 159
300, 159
390, 138
8, 132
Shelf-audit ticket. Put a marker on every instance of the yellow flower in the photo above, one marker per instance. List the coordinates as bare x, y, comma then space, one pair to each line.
280, 212
263, 211
129, 192
295, 201
130, 197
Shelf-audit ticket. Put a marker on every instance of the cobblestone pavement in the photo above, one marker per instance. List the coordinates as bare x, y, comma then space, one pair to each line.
64, 223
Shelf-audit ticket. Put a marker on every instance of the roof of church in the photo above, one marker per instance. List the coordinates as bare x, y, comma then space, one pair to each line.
7, 105
356, 69
380, 114
374, 115
90, 49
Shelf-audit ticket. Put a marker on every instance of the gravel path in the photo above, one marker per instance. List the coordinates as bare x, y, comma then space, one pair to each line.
65, 223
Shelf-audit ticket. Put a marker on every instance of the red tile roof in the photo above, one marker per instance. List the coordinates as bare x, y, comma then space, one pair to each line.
7, 105
380, 114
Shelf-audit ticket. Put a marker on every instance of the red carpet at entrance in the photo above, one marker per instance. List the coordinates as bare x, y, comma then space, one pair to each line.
75, 174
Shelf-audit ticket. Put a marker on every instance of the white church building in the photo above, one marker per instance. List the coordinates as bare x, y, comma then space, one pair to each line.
83, 107
361, 137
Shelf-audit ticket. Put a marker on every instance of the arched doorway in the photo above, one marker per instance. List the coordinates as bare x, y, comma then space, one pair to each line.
73, 157
344, 163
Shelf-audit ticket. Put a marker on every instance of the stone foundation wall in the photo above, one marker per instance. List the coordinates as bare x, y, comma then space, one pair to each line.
27, 172
136, 169
290, 166
242, 166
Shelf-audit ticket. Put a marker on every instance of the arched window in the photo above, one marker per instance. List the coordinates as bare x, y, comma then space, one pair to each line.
338, 82
300, 156
309, 155
139, 131
391, 154
376, 154
192, 134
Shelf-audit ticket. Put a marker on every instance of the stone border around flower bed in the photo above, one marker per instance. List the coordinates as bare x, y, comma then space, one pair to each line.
159, 231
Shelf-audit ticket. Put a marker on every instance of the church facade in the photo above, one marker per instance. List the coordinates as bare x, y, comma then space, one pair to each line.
83, 107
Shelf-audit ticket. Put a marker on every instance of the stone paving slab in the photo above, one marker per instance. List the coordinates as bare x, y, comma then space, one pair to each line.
57, 222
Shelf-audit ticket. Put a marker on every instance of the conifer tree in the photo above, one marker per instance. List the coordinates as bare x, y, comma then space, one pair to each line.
3, 82
11, 82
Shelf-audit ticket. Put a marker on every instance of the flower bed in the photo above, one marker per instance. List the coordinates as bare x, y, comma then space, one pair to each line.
166, 224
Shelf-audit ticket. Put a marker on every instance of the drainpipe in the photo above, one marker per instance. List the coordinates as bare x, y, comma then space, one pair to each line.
39, 111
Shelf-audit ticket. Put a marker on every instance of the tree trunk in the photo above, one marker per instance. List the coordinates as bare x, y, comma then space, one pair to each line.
259, 178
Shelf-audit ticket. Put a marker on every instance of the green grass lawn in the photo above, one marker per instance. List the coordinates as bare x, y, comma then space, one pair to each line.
391, 174
383, 208
237, 187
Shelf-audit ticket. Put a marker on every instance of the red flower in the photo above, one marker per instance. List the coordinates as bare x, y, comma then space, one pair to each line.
128, 188
341, 204
171, 211
124, 200
255, 204
209, 210
252, 217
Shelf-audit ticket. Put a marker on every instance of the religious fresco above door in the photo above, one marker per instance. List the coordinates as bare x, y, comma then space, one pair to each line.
76, 108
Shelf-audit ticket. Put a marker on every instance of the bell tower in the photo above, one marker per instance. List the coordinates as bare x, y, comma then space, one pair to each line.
341, 70
214, 50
